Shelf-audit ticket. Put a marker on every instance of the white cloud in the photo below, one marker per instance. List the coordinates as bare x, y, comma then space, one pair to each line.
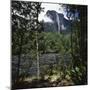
49, 6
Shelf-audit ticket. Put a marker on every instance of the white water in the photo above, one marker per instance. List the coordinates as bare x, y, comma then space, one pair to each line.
58, 22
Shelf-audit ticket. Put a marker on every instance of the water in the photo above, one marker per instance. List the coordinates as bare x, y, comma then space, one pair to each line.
58, 21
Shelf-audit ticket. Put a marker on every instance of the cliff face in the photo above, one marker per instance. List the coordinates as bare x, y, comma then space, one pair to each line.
58, 24
29, 66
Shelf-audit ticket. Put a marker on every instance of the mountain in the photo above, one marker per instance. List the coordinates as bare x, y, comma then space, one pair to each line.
58, 24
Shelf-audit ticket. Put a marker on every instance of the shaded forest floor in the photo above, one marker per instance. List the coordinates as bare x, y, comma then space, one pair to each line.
41, 83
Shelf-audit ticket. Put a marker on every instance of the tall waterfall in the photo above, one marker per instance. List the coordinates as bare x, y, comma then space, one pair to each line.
58, 22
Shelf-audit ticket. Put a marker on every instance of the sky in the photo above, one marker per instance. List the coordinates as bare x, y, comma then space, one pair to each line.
49, 6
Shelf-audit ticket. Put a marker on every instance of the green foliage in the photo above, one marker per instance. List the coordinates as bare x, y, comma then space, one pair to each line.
28, 39
24, 26
54, 43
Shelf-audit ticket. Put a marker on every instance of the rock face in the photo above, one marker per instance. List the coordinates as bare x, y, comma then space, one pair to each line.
59, 23
29, 66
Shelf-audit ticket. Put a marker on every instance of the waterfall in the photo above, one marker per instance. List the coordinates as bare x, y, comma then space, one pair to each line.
58, 21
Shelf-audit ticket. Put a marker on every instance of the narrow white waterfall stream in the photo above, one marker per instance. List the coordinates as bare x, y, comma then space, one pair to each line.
58, 21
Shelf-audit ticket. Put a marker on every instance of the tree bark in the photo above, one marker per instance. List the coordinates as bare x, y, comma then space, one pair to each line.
37, 51
19, 57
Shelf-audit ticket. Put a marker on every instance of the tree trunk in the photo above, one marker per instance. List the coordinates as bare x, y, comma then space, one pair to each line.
37, 57
19, 57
